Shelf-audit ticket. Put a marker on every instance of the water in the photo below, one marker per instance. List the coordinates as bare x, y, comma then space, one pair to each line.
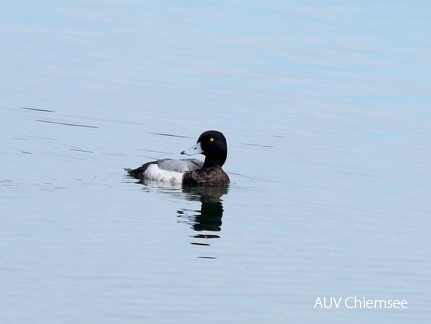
325, 106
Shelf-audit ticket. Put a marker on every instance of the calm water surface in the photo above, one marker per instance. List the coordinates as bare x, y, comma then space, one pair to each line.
325, 106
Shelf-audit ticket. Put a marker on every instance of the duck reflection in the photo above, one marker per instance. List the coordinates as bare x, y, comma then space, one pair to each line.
209, 217
207, 220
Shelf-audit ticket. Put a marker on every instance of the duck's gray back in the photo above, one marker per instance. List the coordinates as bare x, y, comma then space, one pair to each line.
183, 165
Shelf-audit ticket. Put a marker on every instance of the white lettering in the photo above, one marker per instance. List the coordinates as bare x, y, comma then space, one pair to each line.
346, 302
355, 302
324, 302
318, 302
339, 301
368, 303
380, 303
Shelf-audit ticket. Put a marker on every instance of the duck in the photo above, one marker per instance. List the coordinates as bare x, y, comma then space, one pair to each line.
212, 144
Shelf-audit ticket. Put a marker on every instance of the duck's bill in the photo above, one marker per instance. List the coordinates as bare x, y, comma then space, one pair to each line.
196, 149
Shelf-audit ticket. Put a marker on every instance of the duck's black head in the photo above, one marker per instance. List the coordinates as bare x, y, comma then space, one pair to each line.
213, 145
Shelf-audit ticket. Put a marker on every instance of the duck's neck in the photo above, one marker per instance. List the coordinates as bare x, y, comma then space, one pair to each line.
213, 162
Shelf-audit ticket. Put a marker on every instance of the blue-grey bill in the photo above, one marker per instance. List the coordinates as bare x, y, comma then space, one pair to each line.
196, 149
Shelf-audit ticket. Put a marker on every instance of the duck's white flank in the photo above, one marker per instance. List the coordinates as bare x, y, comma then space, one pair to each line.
153, 172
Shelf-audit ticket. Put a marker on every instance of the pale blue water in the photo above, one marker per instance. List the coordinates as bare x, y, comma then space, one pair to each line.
326, 109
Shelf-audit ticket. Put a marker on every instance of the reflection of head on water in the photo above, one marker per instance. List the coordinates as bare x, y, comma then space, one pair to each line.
211, 213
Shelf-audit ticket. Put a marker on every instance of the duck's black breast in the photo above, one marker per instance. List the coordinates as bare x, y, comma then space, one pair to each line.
206, 176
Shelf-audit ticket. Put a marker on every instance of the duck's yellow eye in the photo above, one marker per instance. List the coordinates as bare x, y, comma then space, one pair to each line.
212, 139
